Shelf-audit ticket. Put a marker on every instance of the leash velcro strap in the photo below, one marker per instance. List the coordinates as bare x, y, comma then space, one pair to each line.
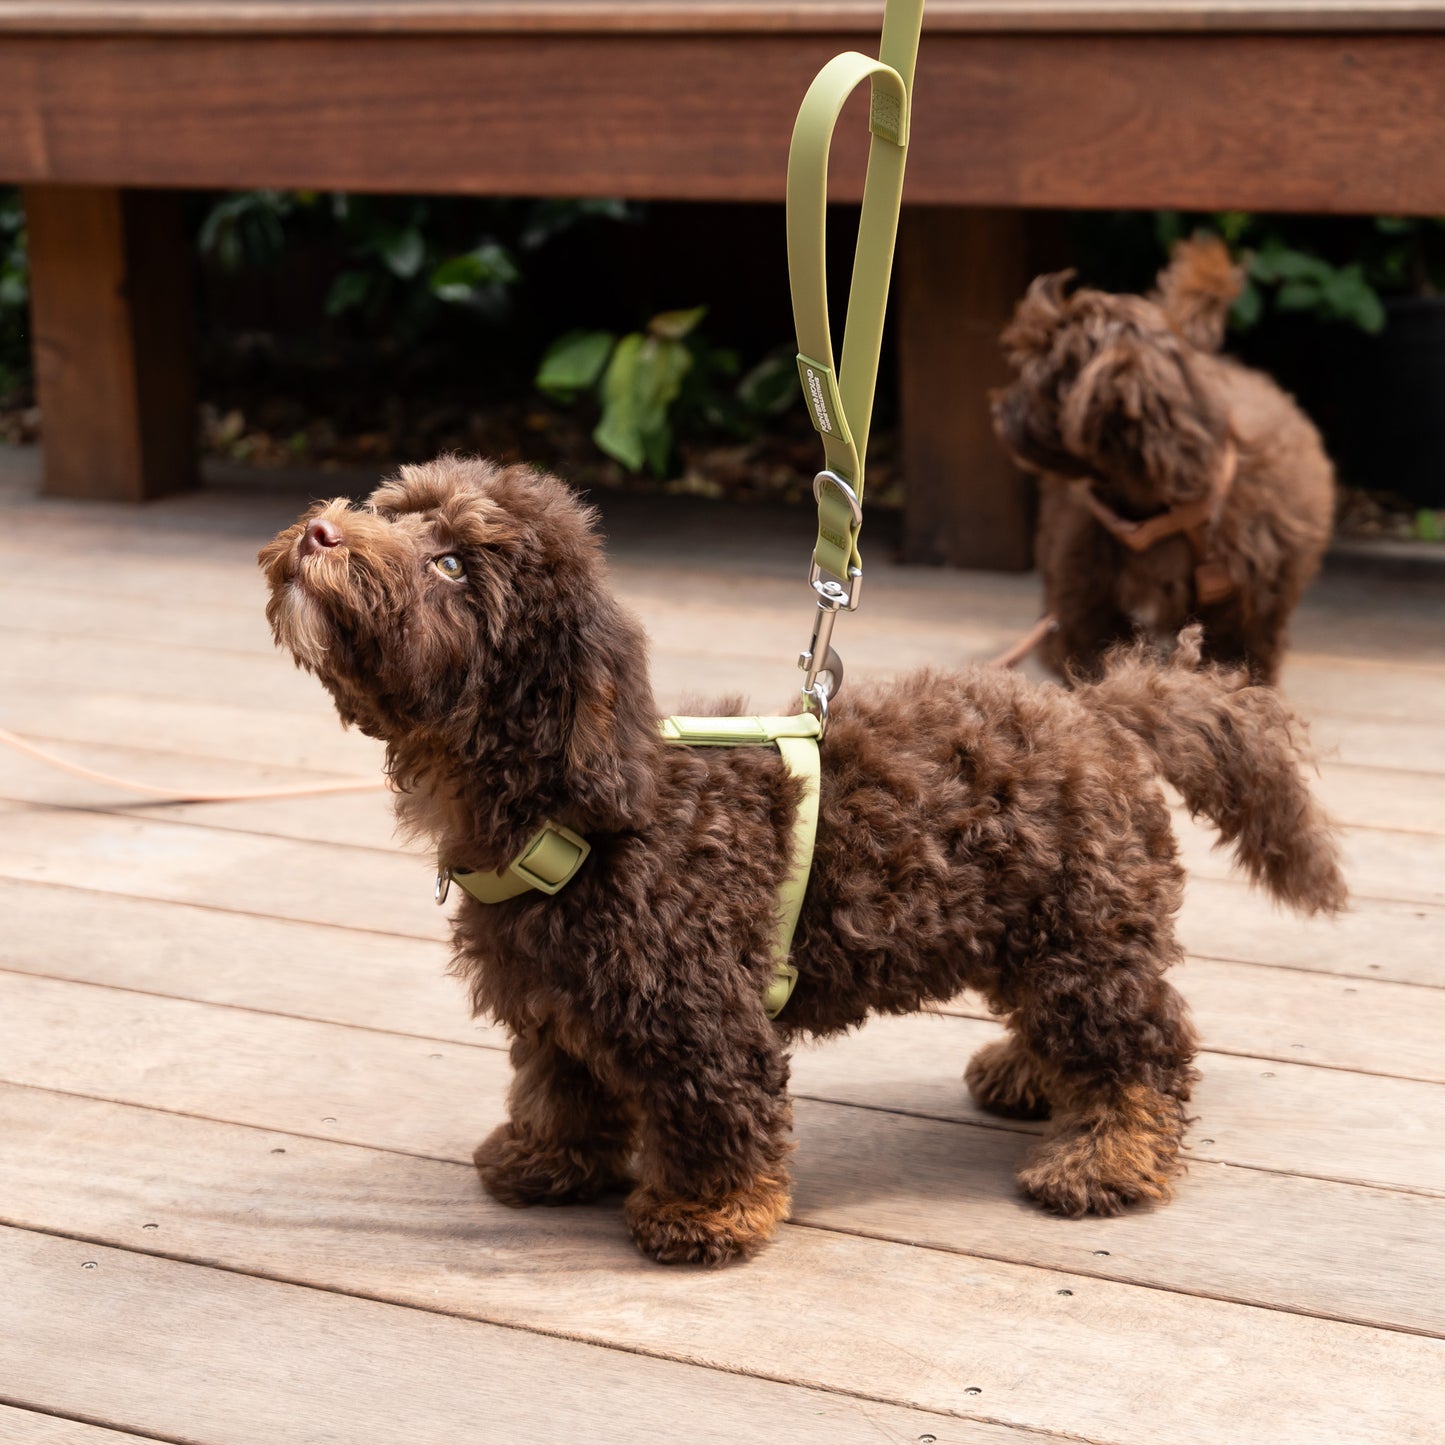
547, 864
841, 401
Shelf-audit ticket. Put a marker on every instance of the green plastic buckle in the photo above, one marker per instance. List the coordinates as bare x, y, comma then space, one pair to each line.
551, 860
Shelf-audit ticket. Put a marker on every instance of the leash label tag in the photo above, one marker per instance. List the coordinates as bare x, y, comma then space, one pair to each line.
820, 391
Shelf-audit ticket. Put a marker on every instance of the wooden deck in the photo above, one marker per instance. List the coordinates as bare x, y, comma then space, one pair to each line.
239, 1095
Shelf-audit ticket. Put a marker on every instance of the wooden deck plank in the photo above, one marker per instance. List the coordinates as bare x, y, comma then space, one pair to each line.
1259, 1113
226, 1064
1256, 1238
196, 1354
1378, 862
390, 892
1258, 1012
415, 1232
1222, 919
345, 976
26, 1427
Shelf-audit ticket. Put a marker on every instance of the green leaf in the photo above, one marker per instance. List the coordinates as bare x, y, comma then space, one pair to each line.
1298, 296
1248, 307
461, 278
674, 325
403, 252
1280, 263
573, 363
642, 380
657, 443
347, 292
1349, 297
771, 387
619, 433
1233, 226
1430, 526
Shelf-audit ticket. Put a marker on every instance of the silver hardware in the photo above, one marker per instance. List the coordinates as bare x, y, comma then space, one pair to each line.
817, 698
831, 592
827, 478
444, 886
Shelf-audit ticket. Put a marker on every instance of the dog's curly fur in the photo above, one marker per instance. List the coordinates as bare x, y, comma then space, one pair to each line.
1128, 391
976, 831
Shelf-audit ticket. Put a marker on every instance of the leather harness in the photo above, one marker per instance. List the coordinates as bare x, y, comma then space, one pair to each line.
1195, 520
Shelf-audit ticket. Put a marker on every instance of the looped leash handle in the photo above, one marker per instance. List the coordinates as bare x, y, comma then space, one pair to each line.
841, 401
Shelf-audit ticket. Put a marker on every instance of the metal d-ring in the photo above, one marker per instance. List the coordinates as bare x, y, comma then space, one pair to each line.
444, 886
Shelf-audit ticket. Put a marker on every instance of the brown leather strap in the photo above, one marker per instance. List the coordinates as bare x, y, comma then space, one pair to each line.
1195, 519
1026, 644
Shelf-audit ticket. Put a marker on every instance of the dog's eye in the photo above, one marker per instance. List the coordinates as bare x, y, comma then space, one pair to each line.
450, 566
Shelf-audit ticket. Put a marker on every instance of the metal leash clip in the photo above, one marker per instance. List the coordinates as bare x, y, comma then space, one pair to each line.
821, 666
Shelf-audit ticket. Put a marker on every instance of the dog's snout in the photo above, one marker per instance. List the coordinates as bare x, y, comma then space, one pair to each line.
319, 534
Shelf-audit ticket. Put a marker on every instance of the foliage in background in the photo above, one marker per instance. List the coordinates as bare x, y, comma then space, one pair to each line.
651, 384
405, 259
1339, 269
14, 296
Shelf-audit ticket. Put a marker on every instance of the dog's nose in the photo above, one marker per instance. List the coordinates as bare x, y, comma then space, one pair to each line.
319, 533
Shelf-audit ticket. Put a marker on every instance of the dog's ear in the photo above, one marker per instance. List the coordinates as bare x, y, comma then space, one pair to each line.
611, 743
1037, 318
1140, 415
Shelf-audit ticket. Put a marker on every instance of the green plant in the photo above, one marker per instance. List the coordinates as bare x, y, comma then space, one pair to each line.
1307, 283
637, 378
653, 384
14, 296
1334, 269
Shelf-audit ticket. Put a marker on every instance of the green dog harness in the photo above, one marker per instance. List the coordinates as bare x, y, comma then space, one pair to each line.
554, 854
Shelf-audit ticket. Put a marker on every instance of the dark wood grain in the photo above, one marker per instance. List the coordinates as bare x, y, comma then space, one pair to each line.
959, 272
350, 17
111, 307
1324, 123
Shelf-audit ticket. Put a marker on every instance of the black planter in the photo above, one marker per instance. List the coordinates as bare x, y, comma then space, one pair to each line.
1378, 400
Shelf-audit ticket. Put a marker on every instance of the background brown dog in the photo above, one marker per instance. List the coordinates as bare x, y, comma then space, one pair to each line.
1124, 396
975, 831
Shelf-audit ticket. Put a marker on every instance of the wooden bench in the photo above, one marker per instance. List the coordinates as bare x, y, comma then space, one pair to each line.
107, 107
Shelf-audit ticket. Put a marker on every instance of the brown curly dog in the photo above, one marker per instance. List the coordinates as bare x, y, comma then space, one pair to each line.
976, 831
1126, 412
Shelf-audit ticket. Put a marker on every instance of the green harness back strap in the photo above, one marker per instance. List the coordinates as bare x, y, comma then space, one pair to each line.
554, 854
841, 403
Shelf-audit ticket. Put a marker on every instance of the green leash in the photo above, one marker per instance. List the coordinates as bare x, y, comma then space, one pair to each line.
841, 402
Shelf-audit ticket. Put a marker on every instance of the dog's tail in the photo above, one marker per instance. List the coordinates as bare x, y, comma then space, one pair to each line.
1197, 288
1233, 751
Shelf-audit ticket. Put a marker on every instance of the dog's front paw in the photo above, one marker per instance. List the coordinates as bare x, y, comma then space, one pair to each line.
517, 1170
1100, 1161
1003, 1078
689, 1231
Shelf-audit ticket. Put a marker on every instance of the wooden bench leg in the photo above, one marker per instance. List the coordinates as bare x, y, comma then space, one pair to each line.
111, 308
960, 271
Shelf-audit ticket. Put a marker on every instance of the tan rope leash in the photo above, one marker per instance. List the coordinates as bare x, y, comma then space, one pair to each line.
178, 795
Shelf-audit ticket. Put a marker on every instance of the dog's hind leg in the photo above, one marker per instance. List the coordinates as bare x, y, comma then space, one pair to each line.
1007, 1079
1119, 1073
568, 1139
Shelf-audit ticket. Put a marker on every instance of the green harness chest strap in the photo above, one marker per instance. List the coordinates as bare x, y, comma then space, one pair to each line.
554, 854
